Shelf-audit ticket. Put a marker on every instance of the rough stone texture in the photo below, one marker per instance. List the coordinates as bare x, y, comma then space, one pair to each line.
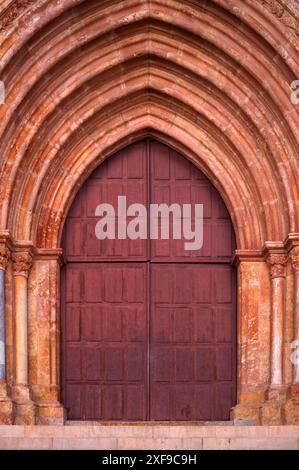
213, 82
264, 444
15, 443
216, 443
157, 436
6, 407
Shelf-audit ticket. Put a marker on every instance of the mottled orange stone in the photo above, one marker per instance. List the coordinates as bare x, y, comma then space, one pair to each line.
210, 79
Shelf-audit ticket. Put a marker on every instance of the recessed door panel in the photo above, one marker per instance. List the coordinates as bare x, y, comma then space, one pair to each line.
192, 344
105, 347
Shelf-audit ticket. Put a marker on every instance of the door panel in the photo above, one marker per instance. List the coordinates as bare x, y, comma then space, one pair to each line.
190, 351
175, 180
148, 328
105, 341
124, 174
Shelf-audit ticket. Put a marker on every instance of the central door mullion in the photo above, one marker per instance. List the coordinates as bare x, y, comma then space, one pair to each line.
148, 339
149, 336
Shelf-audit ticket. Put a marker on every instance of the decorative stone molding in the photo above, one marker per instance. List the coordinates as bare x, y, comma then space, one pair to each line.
285, 12
275, 6
294, 257
13, 11
277, 264
22, 263
282, 9
4, 257
49, 254
247, 255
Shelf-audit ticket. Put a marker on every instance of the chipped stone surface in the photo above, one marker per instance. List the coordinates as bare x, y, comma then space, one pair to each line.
211, 82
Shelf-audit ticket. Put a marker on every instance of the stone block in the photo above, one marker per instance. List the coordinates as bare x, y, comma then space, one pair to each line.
12, 431
21, 443
282, 431
122, 430
291, 412
252, 397
240, 431
243, 443
293, 393
50, 413
84, 444
192, 443
272, 413
36, 431
24, 413
149, 443
277, 394
247, 413
215, 443
6, 411
186, 431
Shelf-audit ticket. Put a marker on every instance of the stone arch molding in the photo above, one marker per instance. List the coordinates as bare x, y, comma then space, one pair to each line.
209, 78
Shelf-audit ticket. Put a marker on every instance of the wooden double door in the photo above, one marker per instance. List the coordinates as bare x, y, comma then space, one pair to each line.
148, 327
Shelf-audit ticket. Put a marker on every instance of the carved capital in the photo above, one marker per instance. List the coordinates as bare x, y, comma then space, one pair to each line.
14, 9
22, 263
284, 11
277, 264
294, 258
4, 256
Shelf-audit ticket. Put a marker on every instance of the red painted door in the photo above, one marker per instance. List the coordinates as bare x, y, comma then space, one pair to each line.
148, 328
105, 343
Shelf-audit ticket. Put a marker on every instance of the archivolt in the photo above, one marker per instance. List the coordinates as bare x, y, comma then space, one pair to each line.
84, 79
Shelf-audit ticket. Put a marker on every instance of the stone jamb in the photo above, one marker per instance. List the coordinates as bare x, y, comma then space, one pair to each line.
6, 407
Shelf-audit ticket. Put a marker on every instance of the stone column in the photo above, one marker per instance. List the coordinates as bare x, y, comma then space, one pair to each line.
5, 401
24, 407
276, 395
292, 405
295, 265
4, 254
277, 264
253, 335
44, 307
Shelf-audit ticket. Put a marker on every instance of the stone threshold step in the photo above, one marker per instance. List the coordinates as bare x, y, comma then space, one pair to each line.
154, 423
148, 443
149, 431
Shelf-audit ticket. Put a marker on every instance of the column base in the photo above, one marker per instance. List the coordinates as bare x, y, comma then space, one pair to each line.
291, 412
273, 410
50, 413
277, 393
291, 409
273, 413
293, 393
24, 413
6, 407
246, 414
248, 409
23, 406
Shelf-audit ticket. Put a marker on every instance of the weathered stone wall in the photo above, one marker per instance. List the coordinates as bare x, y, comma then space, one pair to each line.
212, 80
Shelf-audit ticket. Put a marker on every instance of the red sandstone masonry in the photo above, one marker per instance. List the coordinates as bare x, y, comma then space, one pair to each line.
211, 82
